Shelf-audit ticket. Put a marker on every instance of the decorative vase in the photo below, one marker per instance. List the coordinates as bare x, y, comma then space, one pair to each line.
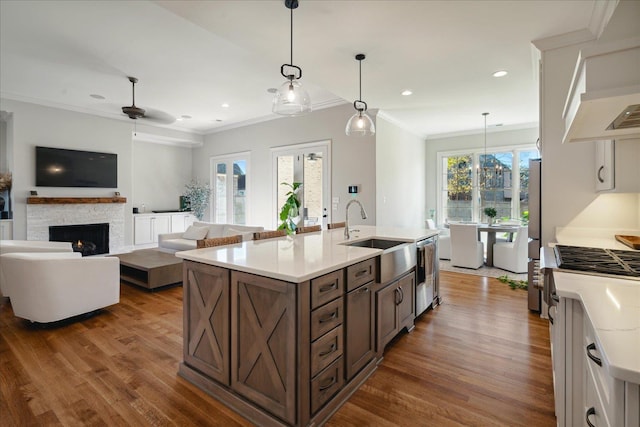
490, 220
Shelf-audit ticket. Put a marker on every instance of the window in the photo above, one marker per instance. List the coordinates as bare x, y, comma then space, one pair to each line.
230, 192
469, 181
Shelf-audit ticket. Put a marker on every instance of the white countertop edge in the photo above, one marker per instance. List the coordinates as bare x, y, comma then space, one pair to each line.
612, 343
370, 253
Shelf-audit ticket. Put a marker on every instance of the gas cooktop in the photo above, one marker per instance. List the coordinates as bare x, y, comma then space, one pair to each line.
599, 261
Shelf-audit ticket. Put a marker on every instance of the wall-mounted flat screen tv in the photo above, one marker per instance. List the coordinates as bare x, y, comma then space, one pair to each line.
57, 167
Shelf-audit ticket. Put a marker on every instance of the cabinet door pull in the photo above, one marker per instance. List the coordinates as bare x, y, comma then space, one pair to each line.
550, 318
590, 411
597, 360
327, 288
401, 294
332, 381
363, 290
329, 318
332, 349
396, 292
361, 273
600, 174
555, 297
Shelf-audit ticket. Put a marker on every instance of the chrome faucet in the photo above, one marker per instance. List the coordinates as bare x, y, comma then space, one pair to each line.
346, 221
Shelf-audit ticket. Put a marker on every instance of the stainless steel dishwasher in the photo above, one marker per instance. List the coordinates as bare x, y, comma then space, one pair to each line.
427, 272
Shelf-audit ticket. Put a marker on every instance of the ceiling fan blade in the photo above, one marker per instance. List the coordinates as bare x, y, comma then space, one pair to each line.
158, 116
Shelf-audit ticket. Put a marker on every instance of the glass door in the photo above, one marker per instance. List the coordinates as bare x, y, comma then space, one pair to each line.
308, 164
230, 190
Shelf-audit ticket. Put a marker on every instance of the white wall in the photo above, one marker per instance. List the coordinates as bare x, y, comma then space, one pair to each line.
469, 142
33, 125
568, 185
353, 159
400, 176
159, 187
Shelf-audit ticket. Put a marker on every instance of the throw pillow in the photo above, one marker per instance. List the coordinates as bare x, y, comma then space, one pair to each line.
195, 233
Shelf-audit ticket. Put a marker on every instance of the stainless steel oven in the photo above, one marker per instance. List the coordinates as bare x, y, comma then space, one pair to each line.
427, 273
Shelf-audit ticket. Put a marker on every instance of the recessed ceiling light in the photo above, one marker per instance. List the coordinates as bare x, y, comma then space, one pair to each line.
500, 73
96, 96
225, 105
184, 116
406, 92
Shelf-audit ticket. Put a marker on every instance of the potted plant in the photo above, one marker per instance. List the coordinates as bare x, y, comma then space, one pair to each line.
490, 213
198, 196
291, 208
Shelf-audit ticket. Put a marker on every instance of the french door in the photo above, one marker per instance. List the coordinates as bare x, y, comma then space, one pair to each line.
309, 164
230, 189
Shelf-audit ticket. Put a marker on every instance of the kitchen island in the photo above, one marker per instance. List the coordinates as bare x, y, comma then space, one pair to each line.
284, 330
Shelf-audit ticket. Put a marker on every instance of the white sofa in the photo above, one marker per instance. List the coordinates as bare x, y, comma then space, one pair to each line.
186, 240
12, 246
47, 287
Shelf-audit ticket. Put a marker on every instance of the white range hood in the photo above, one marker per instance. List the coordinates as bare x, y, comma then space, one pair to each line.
604, 96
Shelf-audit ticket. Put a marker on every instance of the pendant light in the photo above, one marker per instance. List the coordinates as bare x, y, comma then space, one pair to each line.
360, 124
291, 99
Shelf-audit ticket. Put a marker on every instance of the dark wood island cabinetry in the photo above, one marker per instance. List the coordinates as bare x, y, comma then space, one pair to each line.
277, 351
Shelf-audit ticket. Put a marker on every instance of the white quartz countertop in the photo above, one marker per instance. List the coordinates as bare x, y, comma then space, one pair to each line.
302, 257
613, 306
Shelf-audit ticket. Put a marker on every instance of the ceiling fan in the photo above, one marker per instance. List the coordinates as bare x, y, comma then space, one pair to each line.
134, 112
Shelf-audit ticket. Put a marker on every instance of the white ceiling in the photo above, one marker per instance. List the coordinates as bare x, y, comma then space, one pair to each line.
193, 56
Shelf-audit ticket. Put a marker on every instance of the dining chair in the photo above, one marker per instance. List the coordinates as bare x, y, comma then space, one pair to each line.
466, 250
336, 225
261, 235
308, 229
512, 256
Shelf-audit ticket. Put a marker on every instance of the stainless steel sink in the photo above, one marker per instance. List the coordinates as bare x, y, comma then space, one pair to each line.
376, 243
397, 257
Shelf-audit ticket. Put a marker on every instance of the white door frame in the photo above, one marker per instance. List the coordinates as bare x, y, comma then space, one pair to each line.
300, 149
213, 161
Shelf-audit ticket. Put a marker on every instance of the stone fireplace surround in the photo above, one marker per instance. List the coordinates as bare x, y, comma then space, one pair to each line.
43, 212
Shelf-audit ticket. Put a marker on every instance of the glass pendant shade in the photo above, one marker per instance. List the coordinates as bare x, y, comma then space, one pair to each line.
291, 99
360, 124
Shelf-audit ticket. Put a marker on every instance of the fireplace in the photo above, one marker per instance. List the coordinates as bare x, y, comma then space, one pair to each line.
88, 239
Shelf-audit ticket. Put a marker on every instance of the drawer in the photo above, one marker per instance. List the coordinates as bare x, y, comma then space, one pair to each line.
326, 318
326, 349
592, 405
361, 273
609, 389
326, 288
326, 384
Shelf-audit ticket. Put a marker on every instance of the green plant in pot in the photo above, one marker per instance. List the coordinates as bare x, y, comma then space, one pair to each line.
198, 196
490, 213
291, 208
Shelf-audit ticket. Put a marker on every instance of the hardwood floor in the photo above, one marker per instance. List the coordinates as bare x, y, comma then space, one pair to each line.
480, 359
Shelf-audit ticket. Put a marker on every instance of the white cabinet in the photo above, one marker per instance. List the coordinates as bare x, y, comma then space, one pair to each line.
6, 229
181, 221
605, 165
583, 388
616, 168
147, 227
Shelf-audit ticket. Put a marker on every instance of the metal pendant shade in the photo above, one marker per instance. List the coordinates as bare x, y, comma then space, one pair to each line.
291, 99
360, 124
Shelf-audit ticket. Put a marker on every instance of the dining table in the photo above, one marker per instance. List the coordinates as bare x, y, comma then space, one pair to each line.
491, 230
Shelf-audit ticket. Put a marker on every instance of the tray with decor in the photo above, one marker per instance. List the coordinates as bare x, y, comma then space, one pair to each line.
631, 241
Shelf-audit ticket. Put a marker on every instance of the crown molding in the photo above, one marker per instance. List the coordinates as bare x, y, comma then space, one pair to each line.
602, 12
389, 118
490, 129
563, 40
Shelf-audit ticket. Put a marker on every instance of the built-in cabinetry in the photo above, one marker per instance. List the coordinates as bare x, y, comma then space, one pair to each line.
146, 227
616, 167
585, 393
6, 229
395, 307
280, 352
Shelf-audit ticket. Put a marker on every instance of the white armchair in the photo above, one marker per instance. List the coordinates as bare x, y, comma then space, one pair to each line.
47, 287
466, 250
11, 246
512, 256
